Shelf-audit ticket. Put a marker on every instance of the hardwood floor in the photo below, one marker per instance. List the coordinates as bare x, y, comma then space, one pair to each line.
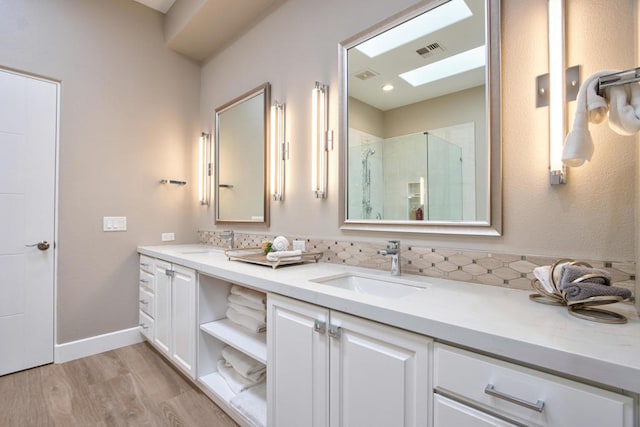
130, 386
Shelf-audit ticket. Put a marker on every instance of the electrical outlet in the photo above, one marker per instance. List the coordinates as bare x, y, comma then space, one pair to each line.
168, 237
299, 245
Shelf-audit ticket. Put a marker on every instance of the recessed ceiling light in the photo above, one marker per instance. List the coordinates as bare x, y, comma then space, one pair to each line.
387, 87
456, 64
427, 23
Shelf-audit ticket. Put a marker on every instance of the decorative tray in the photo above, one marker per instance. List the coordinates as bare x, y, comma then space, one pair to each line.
256, 256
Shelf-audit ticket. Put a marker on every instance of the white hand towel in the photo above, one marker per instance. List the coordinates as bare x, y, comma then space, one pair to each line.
597, 106
240, 300
622, 115
250, 294
280, 243
285, 256
246, 321
252, 403
247, 311
543, 274
244, 365
236, 382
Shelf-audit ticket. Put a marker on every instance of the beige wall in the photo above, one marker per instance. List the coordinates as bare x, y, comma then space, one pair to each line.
129, 117
591, 217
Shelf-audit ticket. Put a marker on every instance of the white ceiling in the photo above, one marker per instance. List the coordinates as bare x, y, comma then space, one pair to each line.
459, 37
160, 5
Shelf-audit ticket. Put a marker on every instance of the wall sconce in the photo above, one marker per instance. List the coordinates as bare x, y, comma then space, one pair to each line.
279, 150
204, 169
556, 88
321, 140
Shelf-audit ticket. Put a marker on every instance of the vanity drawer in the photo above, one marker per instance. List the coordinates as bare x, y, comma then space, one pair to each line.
146, 264
146, 281
146, 326
514, 392
146, 301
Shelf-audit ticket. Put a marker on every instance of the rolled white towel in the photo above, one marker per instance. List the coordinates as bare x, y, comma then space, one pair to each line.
245, 321
236, 382
622, 114
244, 365
280, 243
284, 255
250, 294
247, 311
240, 300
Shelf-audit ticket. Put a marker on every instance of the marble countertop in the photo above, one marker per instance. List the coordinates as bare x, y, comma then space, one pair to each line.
499, 321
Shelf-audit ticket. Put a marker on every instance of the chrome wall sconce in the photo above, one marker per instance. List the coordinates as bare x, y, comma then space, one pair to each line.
556, 89
204, 169
321, 140
279, 150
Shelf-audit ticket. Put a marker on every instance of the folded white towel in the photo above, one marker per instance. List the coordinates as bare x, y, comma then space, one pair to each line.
282, 255
244, 365
247, 311
236, 382
543, 274
622, 114
252, 403
246, 321
250, 294
240, 300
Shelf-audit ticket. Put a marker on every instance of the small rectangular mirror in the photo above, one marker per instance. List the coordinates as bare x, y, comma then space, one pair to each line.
241, 164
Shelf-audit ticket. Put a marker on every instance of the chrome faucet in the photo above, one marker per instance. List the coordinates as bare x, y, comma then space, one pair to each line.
228, 234
393, 249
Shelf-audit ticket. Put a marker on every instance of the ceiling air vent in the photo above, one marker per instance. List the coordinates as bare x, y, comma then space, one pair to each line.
430, 50
365, 74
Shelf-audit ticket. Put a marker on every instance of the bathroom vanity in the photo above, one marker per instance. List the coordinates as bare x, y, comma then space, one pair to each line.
435, 352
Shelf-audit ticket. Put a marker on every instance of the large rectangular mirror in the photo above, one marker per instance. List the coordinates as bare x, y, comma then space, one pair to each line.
420, 98
241, 144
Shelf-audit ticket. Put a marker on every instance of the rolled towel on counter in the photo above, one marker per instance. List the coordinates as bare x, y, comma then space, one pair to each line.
584, 290
280, 243
250, 294
244, 365
571, 273
259, 315
236, 382
285, 256
245, 321
240, 300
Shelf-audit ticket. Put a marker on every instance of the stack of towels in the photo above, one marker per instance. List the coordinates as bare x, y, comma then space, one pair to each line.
247, 308
578, 282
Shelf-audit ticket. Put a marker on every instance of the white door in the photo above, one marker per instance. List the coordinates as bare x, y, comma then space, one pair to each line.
28, 137
297, 363
379, 374
183, 319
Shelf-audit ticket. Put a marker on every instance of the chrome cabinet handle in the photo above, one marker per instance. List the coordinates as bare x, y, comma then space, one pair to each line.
144, 281
144, 264
538, 406
335, 331
320, 326
43, 246
144, 301
143, 326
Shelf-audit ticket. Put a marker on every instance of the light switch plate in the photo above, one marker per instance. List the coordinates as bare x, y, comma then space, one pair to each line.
168, 237
114, 223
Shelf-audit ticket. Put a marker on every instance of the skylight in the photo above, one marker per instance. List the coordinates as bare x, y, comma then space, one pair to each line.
427, 23
456, 64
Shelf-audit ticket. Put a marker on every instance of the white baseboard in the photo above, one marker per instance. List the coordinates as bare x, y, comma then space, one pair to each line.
98, 344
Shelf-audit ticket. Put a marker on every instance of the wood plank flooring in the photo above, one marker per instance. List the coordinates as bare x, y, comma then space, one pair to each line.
130, 386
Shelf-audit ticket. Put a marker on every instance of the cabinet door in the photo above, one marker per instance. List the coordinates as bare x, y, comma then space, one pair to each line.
379, 374
162, 321
447, 413
297, 364
183, 319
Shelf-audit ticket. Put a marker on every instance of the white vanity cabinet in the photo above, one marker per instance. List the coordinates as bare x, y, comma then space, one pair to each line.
330, 368
477, 390
146, 300
174, 324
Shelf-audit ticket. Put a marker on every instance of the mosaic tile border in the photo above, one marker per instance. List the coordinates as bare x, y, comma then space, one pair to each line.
486, 268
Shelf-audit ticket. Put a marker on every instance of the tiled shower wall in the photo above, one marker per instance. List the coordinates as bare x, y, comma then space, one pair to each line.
497, 269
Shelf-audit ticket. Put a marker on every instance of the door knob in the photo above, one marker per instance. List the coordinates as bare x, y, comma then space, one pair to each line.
43, 246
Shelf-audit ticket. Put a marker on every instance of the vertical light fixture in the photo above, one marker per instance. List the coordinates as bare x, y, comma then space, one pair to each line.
557, 91
320, 140
204, 169
278, 152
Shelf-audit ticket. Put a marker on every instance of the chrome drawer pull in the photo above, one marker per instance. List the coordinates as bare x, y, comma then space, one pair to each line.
538, 406
144, 301
143, 326
144, 281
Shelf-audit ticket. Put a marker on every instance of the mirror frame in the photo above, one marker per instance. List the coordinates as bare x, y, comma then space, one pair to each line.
491, 227
265, 90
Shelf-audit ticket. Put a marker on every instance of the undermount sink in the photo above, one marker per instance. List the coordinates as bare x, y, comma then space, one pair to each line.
191, 251
371, 284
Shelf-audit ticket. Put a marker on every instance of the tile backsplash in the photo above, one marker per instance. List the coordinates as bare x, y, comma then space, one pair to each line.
486, 268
